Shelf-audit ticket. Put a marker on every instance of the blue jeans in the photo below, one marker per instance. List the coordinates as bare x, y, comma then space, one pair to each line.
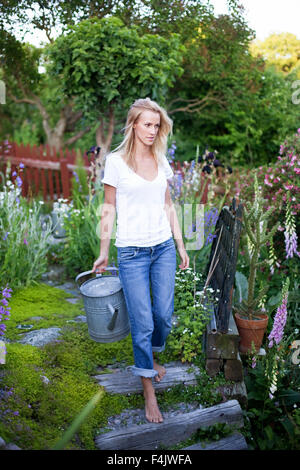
150, 324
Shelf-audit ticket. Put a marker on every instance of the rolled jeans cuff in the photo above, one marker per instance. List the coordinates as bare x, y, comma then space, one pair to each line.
148, 373
159, 348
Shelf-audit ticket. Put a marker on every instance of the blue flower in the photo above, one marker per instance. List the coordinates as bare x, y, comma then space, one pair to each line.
76, 176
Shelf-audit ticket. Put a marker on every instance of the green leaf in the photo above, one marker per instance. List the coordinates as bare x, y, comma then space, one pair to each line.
290, 397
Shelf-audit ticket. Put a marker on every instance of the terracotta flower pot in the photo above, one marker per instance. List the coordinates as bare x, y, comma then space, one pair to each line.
251, 331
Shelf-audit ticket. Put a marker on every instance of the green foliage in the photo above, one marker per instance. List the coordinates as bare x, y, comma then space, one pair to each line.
205, 435
272, 423
26, 56
192, 315
126, 64
27, 134
279, 50
83, 236
22, 239
255, 223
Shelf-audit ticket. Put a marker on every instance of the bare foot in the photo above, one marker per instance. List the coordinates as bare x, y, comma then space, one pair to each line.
161, 371
152, 412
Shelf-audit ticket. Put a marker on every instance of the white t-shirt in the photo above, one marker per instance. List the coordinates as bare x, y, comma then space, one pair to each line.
141, 218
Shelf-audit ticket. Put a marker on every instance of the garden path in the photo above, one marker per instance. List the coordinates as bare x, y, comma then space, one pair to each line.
131, 430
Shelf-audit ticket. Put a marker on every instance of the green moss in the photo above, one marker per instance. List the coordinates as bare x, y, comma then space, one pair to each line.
43, 301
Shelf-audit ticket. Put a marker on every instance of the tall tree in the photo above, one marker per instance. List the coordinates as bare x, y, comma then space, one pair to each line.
152, 16
104, 66
281, 50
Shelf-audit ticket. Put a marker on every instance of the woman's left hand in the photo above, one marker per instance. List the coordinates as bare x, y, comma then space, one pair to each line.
185, 260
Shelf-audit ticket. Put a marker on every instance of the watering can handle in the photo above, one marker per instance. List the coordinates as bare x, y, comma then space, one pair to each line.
114, 313
90, 272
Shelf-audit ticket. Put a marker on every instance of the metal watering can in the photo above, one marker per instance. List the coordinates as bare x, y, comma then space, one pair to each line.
105, 307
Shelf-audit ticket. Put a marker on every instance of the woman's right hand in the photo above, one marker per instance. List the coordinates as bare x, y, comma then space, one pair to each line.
100, 264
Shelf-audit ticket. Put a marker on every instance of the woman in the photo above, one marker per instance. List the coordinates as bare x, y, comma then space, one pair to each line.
136, 187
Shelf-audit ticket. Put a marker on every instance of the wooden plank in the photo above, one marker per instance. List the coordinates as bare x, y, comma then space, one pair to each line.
171, 430
65, 179
50, 183
126, 382
235, 441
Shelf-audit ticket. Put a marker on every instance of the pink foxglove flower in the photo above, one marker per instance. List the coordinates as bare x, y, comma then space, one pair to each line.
290, 234
280, 317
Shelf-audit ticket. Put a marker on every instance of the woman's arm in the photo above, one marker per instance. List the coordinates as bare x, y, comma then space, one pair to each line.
106, 225
107, 218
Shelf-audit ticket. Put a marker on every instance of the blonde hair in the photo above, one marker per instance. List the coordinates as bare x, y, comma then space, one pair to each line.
159, 146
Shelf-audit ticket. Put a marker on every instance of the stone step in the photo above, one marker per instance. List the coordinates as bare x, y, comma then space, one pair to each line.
172, 430
125, 382
235, 441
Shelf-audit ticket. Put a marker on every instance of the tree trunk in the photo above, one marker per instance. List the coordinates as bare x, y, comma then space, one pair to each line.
66, 123
104, 141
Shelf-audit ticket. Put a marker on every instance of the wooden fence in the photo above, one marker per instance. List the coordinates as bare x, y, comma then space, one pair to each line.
49, 173
45, 172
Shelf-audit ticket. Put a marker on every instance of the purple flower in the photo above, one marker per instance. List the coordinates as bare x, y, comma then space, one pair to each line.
210, 220
280, 318
14, 173
7, 292
76, 176
291, 244
21, 165
178, 184
25, 241
290, 234
5, 236
206, 169
19, 181
217, 163
4, 311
